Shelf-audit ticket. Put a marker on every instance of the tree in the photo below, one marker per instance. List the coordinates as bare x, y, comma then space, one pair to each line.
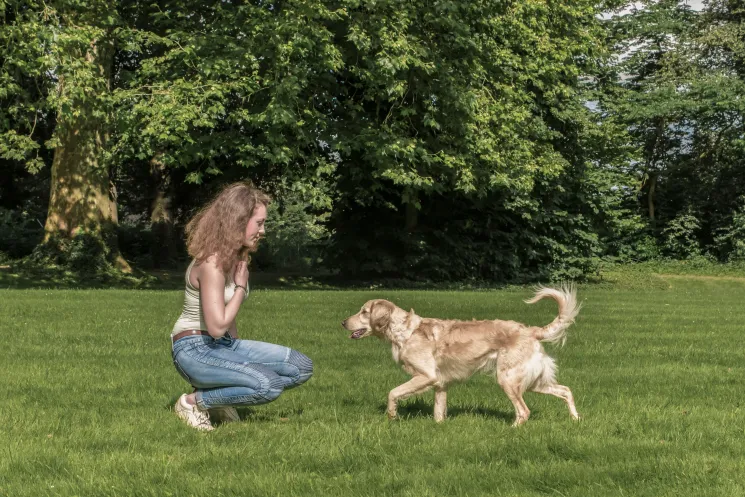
681, 81
396, 106
82, 198
240, 91
24, 125
449, 109
56, 72
645, 40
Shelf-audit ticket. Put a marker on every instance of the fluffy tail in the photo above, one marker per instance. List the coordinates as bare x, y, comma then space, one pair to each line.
566, 297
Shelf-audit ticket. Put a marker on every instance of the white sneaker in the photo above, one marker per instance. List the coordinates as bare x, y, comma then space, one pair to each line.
224, 414
193, 416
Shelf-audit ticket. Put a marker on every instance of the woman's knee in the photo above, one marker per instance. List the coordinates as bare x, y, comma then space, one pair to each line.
303, 364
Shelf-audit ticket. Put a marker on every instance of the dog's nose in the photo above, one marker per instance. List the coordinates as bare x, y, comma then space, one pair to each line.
344, 323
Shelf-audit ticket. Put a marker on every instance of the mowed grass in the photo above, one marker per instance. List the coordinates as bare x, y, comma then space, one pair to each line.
658, 375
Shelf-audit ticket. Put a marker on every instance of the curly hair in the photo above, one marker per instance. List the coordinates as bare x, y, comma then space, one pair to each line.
218, 228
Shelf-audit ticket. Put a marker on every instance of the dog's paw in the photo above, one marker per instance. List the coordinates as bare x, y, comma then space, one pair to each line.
392, 416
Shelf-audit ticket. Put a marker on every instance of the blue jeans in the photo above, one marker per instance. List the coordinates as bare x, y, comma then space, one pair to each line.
234, 372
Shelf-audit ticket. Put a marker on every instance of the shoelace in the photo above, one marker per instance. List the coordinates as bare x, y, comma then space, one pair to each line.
202, 417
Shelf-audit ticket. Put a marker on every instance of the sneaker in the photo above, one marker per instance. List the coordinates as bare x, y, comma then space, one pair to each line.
224, 414
194, 417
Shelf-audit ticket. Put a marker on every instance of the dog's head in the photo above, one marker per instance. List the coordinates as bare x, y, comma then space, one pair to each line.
376, 318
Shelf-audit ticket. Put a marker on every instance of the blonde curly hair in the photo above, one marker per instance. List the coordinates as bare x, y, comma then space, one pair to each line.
218, 228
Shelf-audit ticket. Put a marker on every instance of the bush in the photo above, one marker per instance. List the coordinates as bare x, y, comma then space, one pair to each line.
135, 243
20, 232
730, 242
680, 241
295, 237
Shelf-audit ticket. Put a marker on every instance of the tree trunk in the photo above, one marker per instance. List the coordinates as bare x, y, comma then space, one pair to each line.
652, 181
411, 213
82, 198
163, 248
654, 152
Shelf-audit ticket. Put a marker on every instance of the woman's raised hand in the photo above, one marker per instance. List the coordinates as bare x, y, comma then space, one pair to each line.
241, 274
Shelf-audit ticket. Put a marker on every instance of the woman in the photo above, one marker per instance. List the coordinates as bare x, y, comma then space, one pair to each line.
225, 370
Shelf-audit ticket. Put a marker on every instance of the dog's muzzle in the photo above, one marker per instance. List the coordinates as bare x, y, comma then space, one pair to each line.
357, 334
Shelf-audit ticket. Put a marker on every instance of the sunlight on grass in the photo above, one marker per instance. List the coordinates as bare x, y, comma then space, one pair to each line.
657, 376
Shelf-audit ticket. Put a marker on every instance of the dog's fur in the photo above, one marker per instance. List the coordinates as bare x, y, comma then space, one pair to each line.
437, 352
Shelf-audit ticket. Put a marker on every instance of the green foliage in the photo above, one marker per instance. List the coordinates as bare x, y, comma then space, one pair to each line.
497, 140
25, 63
87, 252
236, 91
680, 99
20, 232
295, 238
136, 242
730, 242
681, 241
468, 114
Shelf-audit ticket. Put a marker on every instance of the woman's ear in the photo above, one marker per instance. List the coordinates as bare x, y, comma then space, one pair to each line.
380, 316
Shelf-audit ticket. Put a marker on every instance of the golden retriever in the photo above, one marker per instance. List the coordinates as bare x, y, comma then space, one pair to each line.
437, 352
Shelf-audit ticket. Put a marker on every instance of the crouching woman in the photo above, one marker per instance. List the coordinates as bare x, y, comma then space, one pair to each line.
226, 371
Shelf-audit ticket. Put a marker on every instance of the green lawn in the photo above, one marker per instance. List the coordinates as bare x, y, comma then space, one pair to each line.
657, 371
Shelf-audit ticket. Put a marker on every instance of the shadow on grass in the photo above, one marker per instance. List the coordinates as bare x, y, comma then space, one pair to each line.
421, 409
19, 275
27, 274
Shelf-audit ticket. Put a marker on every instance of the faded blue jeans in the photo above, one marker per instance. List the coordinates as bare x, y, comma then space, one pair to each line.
234, 372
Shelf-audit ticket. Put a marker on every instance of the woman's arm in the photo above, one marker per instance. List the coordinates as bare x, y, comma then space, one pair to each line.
233, 330
217, 315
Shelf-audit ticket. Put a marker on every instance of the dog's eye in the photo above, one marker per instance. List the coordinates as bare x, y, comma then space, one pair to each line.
365, 311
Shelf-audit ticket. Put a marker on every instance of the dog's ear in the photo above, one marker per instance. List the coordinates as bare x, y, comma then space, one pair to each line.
410, 317
380, 316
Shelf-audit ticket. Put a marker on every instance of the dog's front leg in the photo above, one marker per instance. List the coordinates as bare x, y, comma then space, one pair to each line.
417, 384
441, 404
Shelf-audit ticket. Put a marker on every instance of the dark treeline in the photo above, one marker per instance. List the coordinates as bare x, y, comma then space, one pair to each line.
439, 140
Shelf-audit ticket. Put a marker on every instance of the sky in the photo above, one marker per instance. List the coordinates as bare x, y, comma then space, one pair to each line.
695, 5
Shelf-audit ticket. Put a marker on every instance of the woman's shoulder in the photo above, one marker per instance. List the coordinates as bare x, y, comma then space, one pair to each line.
209, 266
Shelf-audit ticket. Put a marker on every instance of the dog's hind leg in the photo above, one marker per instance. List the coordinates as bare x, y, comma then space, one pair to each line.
441, 401
417, 384
559, 391
512, 386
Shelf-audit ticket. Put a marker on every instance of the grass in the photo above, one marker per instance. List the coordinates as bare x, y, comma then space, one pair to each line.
657, 372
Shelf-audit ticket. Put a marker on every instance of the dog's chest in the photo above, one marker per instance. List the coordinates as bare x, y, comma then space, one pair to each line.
396, 353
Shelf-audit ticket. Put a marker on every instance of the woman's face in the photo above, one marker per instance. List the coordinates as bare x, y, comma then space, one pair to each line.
255, 228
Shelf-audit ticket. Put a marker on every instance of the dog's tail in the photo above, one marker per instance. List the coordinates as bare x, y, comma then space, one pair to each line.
566, 297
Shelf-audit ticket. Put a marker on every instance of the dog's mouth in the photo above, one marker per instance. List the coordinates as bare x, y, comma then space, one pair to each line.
358, 334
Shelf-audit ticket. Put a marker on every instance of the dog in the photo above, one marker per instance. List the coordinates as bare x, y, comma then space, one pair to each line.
438, 352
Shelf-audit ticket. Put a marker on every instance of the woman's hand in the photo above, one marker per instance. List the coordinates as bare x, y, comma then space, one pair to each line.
240, 277
218, 316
